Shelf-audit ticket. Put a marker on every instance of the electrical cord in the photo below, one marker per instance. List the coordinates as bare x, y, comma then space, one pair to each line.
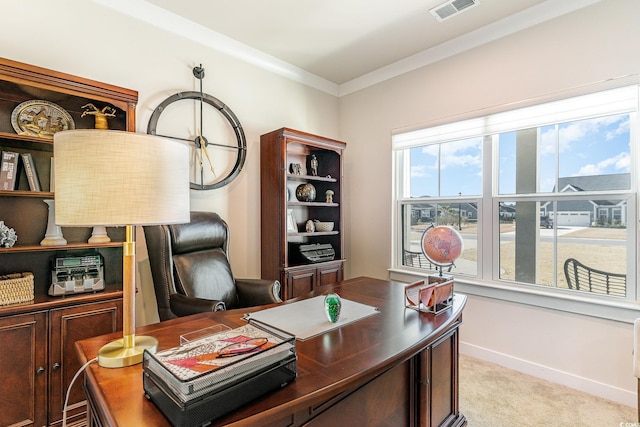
66, 399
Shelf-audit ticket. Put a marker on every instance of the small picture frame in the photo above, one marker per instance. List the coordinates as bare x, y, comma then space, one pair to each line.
291, 222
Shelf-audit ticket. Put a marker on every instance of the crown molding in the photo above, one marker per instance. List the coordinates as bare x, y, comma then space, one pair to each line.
153, 15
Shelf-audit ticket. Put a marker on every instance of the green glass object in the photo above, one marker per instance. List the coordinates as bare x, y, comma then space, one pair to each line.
332, 306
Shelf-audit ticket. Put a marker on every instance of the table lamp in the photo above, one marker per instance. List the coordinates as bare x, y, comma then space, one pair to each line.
115, 178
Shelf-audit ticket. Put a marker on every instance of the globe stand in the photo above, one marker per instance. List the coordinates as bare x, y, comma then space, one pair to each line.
441, 245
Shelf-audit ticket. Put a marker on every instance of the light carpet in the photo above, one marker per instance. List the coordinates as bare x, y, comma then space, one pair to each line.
495, 396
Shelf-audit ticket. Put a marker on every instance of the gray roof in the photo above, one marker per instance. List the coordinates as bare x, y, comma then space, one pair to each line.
621, 181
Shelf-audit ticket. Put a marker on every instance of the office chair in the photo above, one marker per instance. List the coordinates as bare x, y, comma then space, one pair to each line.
191, 271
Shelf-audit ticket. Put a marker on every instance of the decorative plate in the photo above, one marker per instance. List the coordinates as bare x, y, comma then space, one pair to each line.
41, 119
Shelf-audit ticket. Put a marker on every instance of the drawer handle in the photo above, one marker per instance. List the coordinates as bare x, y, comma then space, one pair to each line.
56, 366
40, 370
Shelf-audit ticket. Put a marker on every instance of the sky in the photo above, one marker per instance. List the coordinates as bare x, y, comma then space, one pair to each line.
595, 146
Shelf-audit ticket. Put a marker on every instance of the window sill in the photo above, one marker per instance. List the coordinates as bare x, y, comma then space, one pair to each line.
556, 299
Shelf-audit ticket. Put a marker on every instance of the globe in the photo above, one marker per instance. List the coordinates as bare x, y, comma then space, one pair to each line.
442, 245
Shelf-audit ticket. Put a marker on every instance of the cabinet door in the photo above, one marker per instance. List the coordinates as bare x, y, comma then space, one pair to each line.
300, 282
330, 275
69, 325
23, 369
438, 382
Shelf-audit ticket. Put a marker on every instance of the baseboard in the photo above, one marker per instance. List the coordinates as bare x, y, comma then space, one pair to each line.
624, 397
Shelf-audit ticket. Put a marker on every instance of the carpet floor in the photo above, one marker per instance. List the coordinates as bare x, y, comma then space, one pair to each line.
495, 396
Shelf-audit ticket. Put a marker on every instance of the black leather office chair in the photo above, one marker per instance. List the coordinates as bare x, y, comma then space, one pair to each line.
191, 271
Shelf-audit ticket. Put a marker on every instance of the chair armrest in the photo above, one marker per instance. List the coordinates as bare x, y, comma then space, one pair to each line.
253, 292
182, 305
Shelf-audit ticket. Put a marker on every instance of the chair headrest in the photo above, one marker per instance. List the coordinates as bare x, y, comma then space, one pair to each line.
205, 231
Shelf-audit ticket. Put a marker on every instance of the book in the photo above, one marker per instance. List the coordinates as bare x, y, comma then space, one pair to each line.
9, 170
31, 172
209, 363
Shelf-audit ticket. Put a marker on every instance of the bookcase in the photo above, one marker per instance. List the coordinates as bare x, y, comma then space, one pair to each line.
286, 157
41, 334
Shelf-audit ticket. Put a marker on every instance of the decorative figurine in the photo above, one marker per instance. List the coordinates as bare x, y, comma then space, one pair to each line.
101, 115
332, 306
310, 226
306, 192
329, 196
314, 165
8, 236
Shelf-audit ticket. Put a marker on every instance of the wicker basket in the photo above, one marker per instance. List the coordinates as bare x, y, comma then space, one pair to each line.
15, 288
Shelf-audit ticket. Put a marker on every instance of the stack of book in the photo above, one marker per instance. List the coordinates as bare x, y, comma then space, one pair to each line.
9, 170
208, 377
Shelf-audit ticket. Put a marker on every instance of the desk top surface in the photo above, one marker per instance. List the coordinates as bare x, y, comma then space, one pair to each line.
327, 364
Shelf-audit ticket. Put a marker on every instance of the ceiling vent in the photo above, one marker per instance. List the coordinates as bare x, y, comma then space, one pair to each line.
451, 8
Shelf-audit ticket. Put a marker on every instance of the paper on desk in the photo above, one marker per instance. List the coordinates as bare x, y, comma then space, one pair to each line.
306, 318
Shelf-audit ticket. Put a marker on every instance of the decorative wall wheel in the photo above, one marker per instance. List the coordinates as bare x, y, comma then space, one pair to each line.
210, 125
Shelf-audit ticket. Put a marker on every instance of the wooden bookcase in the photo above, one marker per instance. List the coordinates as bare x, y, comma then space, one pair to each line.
40, 334
280, 239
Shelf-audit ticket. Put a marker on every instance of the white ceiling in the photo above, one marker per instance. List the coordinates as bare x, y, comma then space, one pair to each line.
342, 45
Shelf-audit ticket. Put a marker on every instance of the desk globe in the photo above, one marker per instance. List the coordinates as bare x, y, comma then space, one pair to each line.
442, 245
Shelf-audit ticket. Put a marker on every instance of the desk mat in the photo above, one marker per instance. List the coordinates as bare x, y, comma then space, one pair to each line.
306, 318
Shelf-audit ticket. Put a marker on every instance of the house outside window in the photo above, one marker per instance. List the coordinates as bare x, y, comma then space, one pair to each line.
529, 190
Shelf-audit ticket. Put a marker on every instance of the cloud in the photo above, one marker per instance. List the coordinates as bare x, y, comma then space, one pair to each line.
576, 131
619, 162
419, 172
466, 153
621, 129
548, 141
590, 131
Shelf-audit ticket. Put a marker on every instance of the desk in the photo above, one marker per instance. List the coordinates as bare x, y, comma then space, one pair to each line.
395, 368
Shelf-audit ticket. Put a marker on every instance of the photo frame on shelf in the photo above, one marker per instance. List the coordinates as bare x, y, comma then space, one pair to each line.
291, 221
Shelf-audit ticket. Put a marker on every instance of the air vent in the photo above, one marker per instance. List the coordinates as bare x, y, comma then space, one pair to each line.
451, 8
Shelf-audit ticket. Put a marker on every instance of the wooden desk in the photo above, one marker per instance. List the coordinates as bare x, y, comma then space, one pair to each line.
395, 368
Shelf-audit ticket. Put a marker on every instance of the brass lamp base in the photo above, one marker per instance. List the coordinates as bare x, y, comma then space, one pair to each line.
117, 354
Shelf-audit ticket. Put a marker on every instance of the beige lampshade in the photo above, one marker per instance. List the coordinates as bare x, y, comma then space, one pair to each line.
116, 178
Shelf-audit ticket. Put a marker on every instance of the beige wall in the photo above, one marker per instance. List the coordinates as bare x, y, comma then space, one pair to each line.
593, 44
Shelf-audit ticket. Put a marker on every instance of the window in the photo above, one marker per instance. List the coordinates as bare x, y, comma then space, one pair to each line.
534, 188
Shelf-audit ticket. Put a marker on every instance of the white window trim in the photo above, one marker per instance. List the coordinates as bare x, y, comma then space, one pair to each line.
573, 302
613, 101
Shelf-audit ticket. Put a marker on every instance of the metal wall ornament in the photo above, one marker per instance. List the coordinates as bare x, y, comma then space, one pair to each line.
41, 119
205, 151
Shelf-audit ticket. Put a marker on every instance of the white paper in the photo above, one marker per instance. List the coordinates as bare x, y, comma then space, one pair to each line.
306, 318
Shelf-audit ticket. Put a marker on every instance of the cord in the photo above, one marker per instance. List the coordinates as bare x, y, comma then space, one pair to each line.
66, 399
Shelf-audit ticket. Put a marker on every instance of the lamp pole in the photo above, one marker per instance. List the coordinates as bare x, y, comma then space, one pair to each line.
459, 213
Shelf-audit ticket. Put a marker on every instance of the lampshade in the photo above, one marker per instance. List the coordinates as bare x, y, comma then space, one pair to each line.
115, 178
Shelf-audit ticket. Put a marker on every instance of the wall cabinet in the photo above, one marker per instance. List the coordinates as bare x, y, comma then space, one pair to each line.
286, 158
40, 335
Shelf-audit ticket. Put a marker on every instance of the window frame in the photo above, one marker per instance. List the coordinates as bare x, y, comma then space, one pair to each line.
486, 283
